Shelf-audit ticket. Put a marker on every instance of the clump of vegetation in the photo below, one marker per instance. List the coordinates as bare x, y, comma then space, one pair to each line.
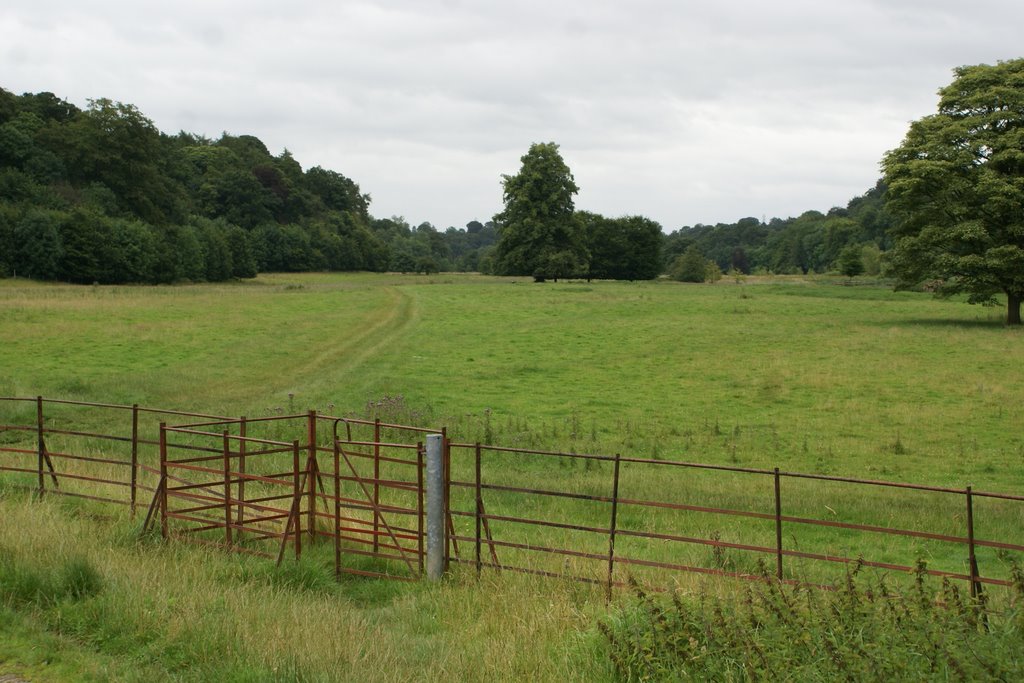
863, 631
73, 579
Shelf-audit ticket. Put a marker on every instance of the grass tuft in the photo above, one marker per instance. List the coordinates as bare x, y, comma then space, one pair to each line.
25, 583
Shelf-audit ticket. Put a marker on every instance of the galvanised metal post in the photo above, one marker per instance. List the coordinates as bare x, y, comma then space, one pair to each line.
436, 514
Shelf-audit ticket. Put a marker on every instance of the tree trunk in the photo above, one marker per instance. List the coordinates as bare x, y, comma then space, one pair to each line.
1013, 309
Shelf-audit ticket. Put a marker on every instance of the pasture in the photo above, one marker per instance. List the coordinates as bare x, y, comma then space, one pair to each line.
809, 376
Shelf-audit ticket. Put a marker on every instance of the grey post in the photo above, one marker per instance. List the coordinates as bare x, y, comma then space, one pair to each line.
435, 508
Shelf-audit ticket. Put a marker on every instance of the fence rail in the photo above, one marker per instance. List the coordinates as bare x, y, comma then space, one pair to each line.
244, 482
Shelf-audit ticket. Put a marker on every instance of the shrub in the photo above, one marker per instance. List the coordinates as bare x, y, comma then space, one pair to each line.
862, 631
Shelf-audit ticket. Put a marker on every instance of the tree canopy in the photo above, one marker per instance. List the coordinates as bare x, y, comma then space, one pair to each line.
956, 187
539, 233
627, 248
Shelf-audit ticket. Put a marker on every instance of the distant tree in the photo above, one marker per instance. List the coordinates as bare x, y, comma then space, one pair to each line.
739, 261
190, 263
539, 233
851, 261
838, 233
8, 219
563, 263
84, 236
337, 192
627, 248
49, 107
115, 144
956, 187
642, 257
403, 262
871, 257
426, 264
690, 267
606, 243
218, 262
9, 105
38, 246
243, 261
869, 211
131, 252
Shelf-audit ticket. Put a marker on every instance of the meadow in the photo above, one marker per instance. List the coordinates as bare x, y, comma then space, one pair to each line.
805, 375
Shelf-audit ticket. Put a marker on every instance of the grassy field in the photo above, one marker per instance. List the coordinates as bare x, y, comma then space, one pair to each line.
806, 376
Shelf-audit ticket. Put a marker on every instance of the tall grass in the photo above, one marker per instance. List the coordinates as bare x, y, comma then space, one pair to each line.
865, 631
193, 614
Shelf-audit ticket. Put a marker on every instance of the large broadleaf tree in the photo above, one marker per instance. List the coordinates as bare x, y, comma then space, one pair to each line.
539, 232
956, 187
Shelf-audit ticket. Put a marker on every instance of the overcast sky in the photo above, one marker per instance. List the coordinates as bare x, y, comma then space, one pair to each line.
686, 112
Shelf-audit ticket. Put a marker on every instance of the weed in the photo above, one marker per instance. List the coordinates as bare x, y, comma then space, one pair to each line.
897, 447
862, 631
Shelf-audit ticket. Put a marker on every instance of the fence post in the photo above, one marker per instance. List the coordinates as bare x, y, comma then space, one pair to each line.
227, 488
135, 455
446, 466
419, 505
479, 509
40, 444
611, 530
778, 528
311, 476
972, 558
436, 514
163, 479
376, 484
297, 499
337, 508
240, 507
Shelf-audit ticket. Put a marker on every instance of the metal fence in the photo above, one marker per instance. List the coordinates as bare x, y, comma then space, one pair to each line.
663, 517
262, 485
358, 489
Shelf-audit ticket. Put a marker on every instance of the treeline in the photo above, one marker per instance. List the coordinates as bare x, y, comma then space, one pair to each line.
100, 195
813, 242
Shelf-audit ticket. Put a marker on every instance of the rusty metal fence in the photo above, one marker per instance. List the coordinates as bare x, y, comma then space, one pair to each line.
261, 485
362, 488
658, 527
116, 468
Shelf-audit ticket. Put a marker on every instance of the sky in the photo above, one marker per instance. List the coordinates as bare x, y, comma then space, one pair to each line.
684, 112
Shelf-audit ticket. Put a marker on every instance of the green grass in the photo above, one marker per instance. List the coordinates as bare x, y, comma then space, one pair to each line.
845, 380
865, 631
806, 376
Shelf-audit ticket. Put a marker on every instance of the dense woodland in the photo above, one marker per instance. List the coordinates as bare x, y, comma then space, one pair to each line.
100, 195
